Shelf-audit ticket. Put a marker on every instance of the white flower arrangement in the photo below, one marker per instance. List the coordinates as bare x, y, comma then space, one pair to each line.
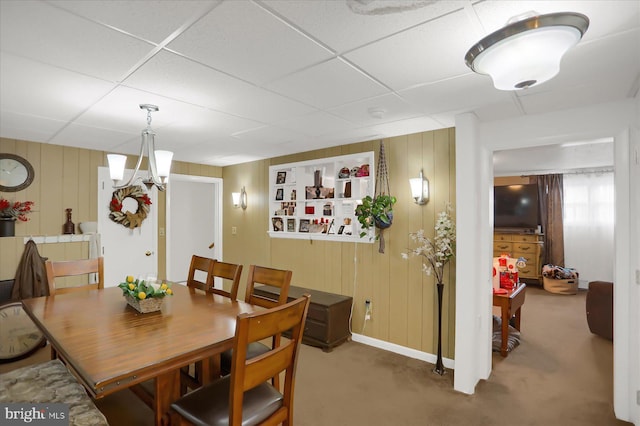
439, 250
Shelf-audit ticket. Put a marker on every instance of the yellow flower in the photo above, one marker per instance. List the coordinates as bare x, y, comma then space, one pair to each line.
164, 286
129, 278
169, 291
142, 295
131, 286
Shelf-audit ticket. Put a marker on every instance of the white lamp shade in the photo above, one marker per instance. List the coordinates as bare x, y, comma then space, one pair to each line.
528, 58
419, 188
236, 198
116, 166
163, 162
528, 50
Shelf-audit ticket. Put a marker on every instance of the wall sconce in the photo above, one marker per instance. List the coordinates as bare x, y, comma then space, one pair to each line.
240, 199
420, 189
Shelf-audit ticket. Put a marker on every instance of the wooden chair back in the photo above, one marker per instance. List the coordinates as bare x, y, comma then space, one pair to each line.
202, 264
69, 268
249, 373
227, 271
274, 277
247, 389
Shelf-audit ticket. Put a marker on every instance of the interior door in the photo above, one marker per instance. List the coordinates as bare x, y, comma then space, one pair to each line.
126, 251
194, 224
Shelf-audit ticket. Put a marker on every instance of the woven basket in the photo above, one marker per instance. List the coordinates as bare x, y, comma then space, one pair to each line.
152, 304
560, 286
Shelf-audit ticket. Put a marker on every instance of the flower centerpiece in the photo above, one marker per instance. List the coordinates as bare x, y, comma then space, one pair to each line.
144, 296
436, 253
16, 210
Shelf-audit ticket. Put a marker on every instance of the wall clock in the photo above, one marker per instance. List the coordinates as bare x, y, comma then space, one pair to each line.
19, 336
16, 173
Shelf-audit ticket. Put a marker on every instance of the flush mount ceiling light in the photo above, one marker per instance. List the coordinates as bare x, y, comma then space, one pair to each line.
159, 161
528, 50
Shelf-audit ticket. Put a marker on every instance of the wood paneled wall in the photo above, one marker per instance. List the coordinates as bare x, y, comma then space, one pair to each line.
67, 177
404, 304
404, 301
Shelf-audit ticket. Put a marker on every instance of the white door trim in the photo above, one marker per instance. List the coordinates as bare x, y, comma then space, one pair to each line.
217, 187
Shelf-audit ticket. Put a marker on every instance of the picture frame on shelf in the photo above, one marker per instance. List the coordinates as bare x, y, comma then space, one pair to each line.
278, 224
281, 178
304, 225
279, 194
341, 229
291, 225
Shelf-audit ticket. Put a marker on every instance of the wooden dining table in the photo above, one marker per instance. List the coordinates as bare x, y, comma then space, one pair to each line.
110, 346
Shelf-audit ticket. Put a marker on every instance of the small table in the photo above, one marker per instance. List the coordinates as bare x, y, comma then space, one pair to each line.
510, 304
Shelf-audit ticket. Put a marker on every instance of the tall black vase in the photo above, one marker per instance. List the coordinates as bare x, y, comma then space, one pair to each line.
439, 368
7, 227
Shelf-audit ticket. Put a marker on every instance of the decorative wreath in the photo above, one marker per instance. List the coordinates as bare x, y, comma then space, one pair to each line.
128, 219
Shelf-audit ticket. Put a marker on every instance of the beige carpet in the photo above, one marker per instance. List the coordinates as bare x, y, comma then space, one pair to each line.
560, 374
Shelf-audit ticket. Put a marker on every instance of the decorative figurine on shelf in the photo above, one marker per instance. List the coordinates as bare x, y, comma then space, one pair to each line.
69, 227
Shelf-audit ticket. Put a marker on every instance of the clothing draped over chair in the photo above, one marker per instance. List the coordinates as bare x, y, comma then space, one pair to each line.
31, 276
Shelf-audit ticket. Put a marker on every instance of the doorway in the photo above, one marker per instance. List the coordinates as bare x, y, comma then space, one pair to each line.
194, 222
516, 166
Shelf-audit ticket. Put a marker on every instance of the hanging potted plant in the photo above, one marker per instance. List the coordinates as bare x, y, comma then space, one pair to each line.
376, 212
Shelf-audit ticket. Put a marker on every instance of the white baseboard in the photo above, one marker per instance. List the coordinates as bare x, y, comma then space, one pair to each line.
402, 350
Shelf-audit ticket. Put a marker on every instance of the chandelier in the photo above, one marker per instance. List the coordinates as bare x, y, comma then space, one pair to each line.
159, 161
528, 50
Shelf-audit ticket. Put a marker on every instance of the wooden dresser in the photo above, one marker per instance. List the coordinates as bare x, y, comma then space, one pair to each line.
327, 323
519, 245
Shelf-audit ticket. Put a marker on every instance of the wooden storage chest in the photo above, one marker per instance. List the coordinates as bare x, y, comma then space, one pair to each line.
327, 323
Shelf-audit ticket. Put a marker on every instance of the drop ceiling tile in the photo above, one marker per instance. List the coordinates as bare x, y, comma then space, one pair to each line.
244, 40
100, 139
342, 28
462, 93
25, 88
28, 127
496, 111
406, 127
120, 110
47, 34
391, 106
183, 79
152, 20
315, 124
267, 135
424, 54
327, 85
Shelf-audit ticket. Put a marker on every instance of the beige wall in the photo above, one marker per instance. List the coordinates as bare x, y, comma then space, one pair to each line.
67, 178
403, 298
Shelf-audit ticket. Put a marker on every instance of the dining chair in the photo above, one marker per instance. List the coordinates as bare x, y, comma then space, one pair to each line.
74, 268
230, 272
199, 266
192, 376
261, 275
245, 396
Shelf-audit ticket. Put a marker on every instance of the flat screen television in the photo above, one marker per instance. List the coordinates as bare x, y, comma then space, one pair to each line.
516, 206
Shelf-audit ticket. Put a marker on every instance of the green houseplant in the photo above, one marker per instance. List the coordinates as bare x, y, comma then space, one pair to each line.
376, 212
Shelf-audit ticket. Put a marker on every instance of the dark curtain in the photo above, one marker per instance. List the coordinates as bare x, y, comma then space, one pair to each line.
550, 196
